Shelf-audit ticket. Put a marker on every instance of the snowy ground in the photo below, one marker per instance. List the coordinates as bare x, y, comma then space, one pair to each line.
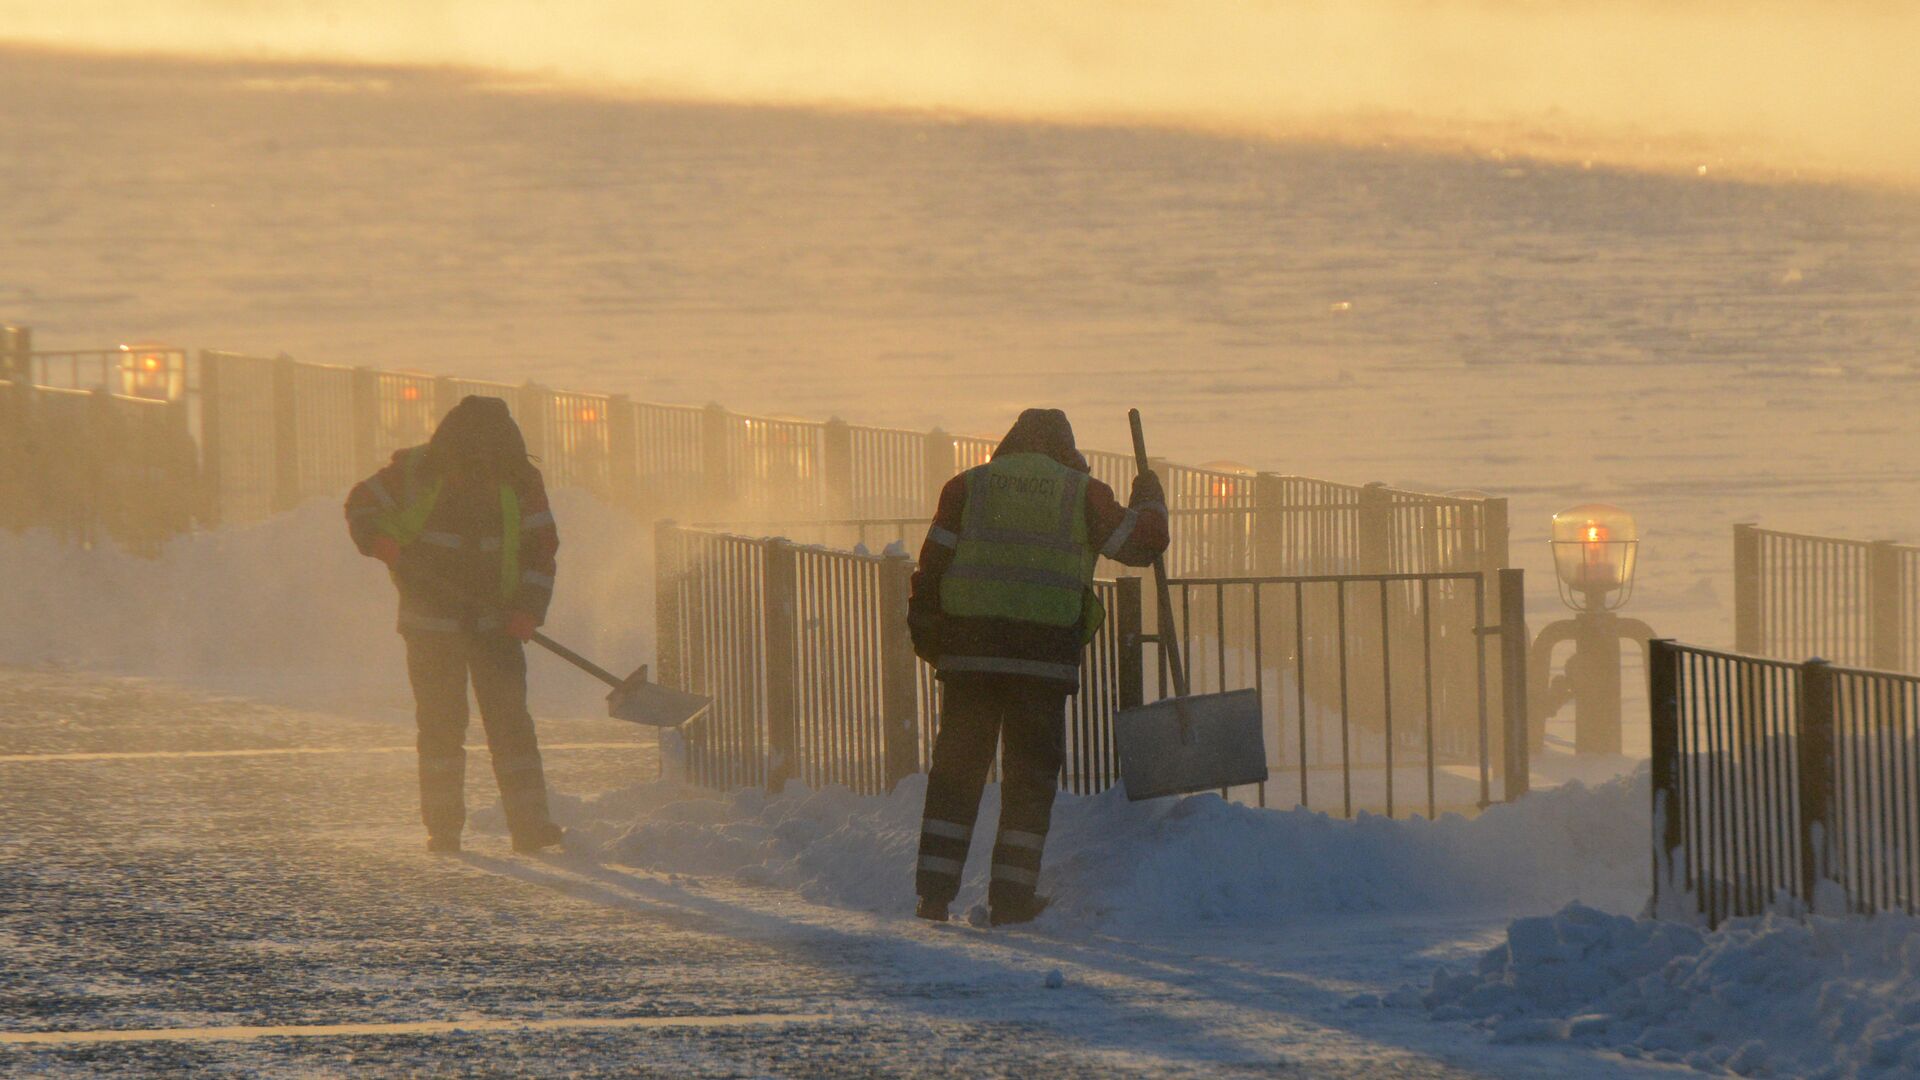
179, 861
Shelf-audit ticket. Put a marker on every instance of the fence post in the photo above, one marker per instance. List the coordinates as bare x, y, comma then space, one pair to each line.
536, 409
1516, 760
210, 437
836, 468
366, 419
623, 450
286, 434
1269, 525
780, 611
1663, 714
940, 467
1814, 750
1884, 646
715, 462
669, 565
899, 671
1376, 529
16, 352
1746, 590
1129, 616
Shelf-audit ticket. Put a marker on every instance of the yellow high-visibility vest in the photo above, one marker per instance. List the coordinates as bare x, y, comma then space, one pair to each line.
1022, 552
406, 522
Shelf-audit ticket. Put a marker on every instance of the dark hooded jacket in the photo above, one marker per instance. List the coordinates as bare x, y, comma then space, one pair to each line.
1132, 535
475, 452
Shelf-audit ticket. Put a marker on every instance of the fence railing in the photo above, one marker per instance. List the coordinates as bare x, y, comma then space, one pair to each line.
274, 431
1782, 782
1852, 601
1381, 691
806, 652
92, 465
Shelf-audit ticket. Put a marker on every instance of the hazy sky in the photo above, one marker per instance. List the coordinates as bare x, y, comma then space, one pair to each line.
1817, 84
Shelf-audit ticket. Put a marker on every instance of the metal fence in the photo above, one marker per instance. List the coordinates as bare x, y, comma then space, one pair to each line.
274, 432
1381, 692
806, 652
93, 465
1852, 601
1776, 782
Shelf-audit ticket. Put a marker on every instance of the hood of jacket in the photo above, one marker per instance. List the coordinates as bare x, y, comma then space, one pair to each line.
1043, 431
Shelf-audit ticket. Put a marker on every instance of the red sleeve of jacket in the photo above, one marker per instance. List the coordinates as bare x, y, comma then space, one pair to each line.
539, 544
1132, 535
936, 554
373, 496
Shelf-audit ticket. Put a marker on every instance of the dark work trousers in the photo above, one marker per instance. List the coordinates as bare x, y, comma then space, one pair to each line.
979, 710
439, 665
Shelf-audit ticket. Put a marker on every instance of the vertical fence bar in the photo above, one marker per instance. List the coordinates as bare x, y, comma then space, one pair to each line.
898, 713
939, 466
1663, 701
365, 395
211, 420
1376, 529
623, 450
836, 468
1885, 648
1816, 786
781, 630
1516, 763
668, 569
1747, 627
716, 463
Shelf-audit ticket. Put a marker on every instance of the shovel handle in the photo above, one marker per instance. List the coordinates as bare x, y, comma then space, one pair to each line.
1169, 641
446, 590
575, 659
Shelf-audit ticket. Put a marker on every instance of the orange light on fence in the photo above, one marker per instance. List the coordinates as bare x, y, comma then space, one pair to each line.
1594, 551
150, 362
409, 392
588, 415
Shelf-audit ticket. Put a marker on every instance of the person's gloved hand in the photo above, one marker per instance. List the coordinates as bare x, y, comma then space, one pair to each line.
521, 625
386, 549
924, 627
1147, 490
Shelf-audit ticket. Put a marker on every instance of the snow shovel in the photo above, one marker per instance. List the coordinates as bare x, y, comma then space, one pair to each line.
1188, 742
633, 699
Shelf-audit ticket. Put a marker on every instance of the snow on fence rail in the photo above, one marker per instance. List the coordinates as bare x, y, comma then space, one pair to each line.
806, 652
1774, 779
1849, 601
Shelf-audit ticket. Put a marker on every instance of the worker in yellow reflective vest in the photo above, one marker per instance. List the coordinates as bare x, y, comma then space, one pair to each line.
1003, 606
464, 525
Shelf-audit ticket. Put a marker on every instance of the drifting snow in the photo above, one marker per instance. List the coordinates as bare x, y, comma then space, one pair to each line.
287, 608
1119, 865
1759, 997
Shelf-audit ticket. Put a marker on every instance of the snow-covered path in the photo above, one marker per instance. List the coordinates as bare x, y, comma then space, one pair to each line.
176, 861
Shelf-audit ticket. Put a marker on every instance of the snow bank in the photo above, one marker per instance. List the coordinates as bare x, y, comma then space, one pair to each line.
287, 608
1759, 997
1167, 862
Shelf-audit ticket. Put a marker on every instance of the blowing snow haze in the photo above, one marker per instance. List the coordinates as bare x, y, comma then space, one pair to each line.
1778, 86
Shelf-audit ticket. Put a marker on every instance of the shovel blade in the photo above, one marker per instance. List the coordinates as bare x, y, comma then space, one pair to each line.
1203, 742
641, 702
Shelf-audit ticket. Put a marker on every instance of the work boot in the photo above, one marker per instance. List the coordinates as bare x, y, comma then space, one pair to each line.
544, 835
931, 910
1013, 912
443, 843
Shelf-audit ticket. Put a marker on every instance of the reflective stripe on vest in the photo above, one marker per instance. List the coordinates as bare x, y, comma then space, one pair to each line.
406, 522
1022, 553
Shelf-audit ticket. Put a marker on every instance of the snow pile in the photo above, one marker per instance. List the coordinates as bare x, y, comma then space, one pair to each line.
1166, 862
1759, 997
287, 607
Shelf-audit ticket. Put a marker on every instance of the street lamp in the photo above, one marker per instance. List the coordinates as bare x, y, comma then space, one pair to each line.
1595, 552
1594, 547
